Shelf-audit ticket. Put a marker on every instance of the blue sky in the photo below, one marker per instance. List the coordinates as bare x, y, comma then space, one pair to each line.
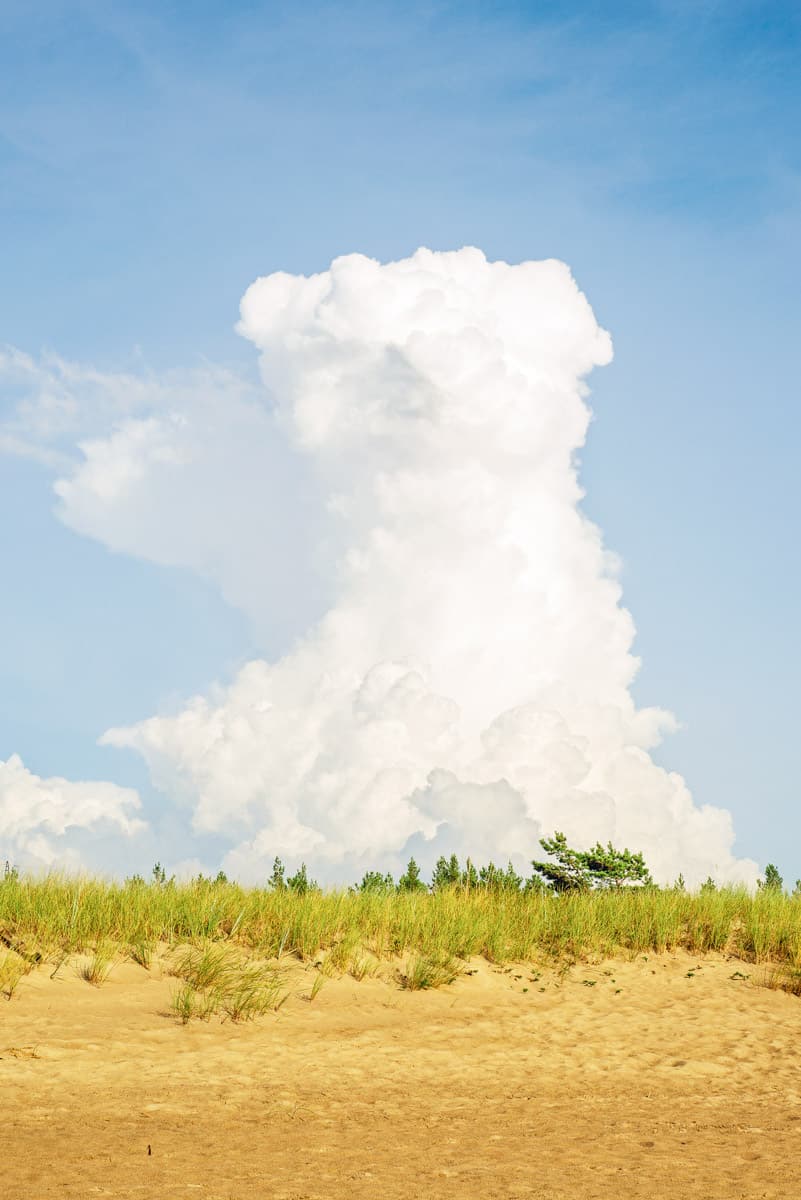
155, 159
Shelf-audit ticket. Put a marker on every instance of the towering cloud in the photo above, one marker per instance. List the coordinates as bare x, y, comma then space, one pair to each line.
468, 686
397, 510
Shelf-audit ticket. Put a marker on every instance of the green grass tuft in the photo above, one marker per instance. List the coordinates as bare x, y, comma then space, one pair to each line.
96, 971
423, 971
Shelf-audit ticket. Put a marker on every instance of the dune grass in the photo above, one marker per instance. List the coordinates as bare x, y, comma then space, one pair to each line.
219, 980
43, 917
424, 971
13, 968
96, 971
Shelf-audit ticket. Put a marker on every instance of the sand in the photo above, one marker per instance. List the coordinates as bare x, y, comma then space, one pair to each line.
665, 1077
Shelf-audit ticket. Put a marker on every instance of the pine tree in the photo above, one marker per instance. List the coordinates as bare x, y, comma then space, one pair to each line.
496, 879
773, 881
300, 882
469, 879
512, 882
599, 867
446, 873
411, 881
277, 880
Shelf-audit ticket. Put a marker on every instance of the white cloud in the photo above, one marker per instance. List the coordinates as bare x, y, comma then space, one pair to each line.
39, 817
468, 686
186, 469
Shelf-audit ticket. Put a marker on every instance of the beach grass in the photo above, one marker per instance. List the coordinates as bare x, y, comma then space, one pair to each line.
41, 918
219, 979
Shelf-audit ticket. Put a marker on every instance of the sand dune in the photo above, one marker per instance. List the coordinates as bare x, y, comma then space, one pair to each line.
664, 1077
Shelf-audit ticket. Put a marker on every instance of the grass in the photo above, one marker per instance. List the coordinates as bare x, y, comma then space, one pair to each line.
316, 987
204, 968
96, 971
218, 981
424, 971
363, 966
141, 952
783, 977
13, 968
257, 990
203, 923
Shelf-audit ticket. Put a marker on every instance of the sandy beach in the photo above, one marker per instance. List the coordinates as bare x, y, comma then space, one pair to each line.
668, 1076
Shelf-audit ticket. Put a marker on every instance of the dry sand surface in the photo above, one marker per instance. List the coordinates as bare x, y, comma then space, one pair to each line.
663, 1077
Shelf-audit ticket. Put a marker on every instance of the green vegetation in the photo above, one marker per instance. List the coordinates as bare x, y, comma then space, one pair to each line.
97, 970
225, 942
43, 918
218, 980
427, 971
773, 881
581, 870
13, 967
299, 882
411, 881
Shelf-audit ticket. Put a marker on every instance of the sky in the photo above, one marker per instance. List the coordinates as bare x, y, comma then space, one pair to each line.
153, 165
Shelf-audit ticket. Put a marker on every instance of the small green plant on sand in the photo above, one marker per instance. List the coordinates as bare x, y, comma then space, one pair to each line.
188, 1003
183, 1003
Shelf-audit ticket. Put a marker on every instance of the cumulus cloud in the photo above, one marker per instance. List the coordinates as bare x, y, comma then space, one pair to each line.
468, 686
39, 818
